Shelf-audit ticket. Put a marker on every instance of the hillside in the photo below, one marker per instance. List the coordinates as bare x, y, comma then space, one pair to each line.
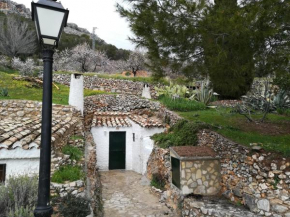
73, 34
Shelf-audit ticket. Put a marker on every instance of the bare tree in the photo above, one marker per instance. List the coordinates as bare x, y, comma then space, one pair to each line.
136, 62
16, 37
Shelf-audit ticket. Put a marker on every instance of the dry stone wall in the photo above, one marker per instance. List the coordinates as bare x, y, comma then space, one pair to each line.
109, 85
201, 177
258, 180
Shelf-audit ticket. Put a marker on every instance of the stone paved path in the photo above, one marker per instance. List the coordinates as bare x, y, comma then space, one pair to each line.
126, 194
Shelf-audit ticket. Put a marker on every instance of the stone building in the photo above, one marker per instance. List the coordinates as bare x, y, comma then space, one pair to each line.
195, 170
20, 133
123, 139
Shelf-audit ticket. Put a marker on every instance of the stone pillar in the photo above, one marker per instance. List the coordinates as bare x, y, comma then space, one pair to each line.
76, 92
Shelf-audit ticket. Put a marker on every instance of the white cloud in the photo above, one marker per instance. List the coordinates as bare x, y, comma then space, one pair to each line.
101, 14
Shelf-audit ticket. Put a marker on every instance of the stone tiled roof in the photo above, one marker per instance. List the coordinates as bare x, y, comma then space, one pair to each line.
26, 132
122, 119
20, 123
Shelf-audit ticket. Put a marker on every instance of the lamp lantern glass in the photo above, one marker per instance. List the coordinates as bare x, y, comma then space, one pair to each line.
50, 18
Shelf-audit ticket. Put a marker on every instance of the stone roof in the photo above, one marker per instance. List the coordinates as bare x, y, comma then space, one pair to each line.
25, 132
20, 123
122, 119
194, 151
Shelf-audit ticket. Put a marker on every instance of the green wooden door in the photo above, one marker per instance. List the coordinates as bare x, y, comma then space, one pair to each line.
117, 150
175, 165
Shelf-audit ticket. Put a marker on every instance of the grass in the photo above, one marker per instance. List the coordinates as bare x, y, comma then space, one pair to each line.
183, 133
67, 173
181, 104
21, 90
149, 80
74, 152
157, 181
229, 125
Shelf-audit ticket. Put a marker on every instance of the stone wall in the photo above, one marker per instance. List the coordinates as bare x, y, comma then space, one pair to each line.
94, 185
126, 103
109, 85
200, 177
258, 180
27, 108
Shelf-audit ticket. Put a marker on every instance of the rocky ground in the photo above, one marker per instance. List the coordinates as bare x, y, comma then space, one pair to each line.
126, 193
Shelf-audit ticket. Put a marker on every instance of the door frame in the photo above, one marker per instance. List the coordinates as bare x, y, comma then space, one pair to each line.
125, 149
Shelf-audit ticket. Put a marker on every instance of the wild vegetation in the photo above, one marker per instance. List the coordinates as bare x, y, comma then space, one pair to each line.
18, 198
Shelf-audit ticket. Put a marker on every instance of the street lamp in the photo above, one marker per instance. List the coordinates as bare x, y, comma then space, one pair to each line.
50, 18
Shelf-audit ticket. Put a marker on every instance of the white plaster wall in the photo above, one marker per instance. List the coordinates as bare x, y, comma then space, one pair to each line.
146, 92
76, 92
137, 153
20, 162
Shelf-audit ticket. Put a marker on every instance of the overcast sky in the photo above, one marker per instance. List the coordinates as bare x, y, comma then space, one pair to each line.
97, 13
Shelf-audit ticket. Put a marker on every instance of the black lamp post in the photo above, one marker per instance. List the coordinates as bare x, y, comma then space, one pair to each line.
50, 18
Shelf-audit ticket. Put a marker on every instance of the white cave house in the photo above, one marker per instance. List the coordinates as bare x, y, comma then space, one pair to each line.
123, 140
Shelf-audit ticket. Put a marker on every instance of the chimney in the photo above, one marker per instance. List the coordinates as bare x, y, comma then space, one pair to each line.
76, 92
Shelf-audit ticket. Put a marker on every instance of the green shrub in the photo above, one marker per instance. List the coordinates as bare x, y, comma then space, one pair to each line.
73, 206
18, 196
74, 152
21, 212
4, 92
158, 181
67, 173
181, 104
282, 111
128, 74
183, 133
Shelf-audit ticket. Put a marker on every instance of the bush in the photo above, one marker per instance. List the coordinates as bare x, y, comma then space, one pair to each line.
67, 173
128, 74
183, 133
73, 206
21, 212
4, 92
19, 196
182, 104
25, 68
158, 181
74, 152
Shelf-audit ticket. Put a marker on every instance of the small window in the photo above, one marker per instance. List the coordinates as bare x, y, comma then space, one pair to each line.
133, 137
2, 172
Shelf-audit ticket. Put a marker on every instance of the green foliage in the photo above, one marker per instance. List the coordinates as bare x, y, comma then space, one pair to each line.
181, 104
282, 111
173, 90
19, 196
74, 152
183, 133
4, 92
204, 94
21, 90
73, 206
67, 173
229, 125
227, 41
21, 212
158, 181
128, 73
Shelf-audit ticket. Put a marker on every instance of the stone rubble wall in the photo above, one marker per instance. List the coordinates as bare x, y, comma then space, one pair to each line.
27, 108
109, 85
257, 180
201, 177
94, 185
126, 103
217, 208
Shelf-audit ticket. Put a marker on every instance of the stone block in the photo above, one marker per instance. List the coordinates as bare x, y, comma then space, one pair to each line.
264, 205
